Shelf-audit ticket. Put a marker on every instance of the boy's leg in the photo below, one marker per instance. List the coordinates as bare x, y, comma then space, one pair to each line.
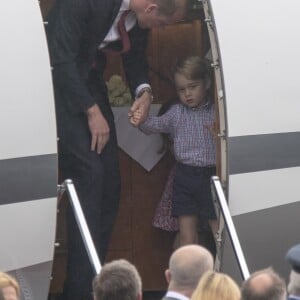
176, 243
214, 226
188, 233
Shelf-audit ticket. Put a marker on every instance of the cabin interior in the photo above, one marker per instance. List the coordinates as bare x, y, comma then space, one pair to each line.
134, 238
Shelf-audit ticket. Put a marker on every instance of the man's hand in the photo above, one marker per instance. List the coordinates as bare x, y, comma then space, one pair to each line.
98, 127
142, 106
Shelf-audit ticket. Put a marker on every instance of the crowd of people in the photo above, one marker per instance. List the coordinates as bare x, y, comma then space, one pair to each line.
190, 275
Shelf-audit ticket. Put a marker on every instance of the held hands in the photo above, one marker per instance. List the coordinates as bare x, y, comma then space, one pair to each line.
136, 118
98, 127
140, 109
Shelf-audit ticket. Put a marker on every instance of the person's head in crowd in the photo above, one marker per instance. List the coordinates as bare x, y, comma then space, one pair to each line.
9, 287
293, 257
186, 266
118, 280
156, 13
216, 286
293, 287
265, 284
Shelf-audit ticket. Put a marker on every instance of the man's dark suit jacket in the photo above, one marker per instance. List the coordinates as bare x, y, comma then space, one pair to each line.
75, 30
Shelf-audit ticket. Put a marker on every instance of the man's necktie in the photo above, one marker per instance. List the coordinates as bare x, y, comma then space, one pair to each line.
123, 33
123, 36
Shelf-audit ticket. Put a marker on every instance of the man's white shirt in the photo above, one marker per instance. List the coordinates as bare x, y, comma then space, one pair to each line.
176, 295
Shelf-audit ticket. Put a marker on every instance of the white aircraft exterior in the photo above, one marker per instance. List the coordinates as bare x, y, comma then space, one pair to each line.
255, 51
28, 154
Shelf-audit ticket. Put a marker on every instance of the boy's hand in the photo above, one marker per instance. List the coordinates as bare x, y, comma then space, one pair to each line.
212, 129
135, 119
143, 104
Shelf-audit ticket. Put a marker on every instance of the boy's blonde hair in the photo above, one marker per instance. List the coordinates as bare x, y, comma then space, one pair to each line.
193, 68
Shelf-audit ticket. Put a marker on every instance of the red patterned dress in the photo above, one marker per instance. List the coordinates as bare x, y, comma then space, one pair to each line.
163, 218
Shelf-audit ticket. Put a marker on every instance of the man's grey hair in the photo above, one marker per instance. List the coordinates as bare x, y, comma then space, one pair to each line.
294, 284
265, 284
187, 264
118, 280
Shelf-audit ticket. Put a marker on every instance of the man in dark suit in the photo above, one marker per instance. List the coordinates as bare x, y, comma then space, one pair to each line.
293, 257
79, 32
186, 266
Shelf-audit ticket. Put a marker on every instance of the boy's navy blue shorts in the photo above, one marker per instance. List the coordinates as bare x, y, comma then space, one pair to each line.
192, 191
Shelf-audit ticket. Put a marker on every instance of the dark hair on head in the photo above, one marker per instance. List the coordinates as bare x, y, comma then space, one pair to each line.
193, 68
169, 7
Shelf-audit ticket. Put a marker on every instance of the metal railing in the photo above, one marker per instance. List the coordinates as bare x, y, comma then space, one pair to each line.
230, 226
90, 247
82, 225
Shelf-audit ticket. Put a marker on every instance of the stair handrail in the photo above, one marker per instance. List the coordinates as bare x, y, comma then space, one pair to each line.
216, 183
68, 186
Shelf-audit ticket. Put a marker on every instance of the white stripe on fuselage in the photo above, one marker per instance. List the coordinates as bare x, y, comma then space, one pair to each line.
27, 233
254, 191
